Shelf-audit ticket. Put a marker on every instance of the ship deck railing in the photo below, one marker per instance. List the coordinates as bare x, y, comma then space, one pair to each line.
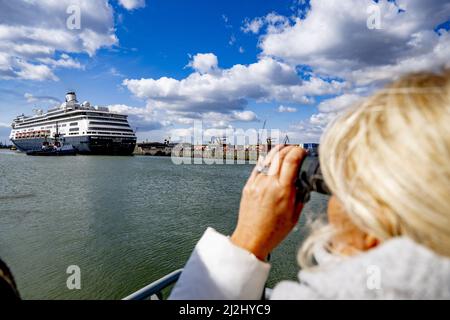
154, 291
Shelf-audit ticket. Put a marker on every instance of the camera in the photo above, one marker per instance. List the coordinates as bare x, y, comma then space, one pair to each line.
310, 179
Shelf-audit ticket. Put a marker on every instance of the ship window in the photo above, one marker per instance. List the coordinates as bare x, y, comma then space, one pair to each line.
107, 118
110, 129
73, 124
74, 129
110, 124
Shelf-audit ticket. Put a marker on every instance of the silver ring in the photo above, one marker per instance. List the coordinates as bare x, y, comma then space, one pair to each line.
263, 169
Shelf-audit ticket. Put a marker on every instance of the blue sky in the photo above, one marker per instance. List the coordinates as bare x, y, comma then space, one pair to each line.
230, 63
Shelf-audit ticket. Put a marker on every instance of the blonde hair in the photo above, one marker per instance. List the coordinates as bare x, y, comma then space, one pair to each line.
388, 162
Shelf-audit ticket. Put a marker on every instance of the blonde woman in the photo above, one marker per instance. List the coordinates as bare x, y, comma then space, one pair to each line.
387, 163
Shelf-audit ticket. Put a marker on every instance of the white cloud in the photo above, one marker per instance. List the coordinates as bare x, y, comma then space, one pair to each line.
215, 94
322, 119
283, 109
273, 22
34, 72
334, 39
45, 99
63, 62
253, 25
150, 119
132, 4
244, 115
145, 119
310, 130
35, 40
204, 62
339, 103
92, 41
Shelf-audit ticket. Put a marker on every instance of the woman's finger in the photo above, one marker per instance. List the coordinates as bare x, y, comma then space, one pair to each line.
255, 172
264, 161
291, 165
277, 160
272, 154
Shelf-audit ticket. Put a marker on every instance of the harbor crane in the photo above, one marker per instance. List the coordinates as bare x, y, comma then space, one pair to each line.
258, 142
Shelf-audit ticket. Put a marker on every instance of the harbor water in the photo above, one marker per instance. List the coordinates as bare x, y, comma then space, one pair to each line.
125, 221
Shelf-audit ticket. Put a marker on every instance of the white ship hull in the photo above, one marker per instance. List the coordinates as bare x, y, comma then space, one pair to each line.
85, 145
90, 130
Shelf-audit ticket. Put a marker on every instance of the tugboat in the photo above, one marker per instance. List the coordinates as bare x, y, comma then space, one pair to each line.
55, 149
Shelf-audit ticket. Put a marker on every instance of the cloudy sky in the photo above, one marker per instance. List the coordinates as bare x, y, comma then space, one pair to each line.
231, 64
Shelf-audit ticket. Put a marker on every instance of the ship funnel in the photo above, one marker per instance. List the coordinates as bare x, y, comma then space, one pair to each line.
71, 97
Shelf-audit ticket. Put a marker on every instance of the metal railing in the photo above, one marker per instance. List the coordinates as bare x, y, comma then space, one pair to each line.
153, 291
155, 288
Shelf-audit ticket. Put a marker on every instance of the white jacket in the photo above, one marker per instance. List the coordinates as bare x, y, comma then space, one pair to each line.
397, 269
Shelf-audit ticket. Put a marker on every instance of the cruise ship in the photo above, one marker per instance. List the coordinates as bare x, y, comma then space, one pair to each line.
90, 130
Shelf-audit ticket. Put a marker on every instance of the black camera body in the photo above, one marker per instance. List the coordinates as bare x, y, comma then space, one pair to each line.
310, 179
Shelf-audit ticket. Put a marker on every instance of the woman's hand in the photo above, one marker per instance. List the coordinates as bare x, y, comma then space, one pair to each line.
268, 209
